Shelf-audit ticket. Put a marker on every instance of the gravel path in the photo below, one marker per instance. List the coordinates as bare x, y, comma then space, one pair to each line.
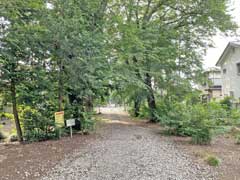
125, 151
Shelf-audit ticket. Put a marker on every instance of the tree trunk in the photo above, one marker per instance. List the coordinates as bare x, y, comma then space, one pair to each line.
60, 87
137, 104
89, 104
137, 100
15, 111
151, 99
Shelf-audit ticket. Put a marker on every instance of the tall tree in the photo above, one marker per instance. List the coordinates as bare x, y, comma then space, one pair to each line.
167, 37
20, 31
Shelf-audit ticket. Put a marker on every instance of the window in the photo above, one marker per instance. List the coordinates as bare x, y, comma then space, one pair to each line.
238, 68
231, 94
224, 71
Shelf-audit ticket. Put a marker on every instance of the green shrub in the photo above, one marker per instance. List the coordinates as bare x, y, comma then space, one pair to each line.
212, 160
37, 127
6, 115
87, 123
200, 126
175, 116
234, 117
144, 112
220, 130
39, 135
189, 120
227, 103
198, 120
217, 113
202, 136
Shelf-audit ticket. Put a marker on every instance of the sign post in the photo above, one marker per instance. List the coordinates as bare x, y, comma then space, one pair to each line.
71, 131
70, 123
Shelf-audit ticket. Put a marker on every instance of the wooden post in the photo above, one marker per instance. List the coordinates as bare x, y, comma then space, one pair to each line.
71, 131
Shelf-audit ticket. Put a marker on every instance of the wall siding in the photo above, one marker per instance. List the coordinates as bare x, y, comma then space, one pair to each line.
231, 80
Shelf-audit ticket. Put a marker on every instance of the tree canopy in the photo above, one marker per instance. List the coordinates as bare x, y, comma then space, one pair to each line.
56, 54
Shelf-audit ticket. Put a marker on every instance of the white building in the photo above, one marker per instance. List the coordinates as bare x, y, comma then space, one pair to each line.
212, 88
230, 70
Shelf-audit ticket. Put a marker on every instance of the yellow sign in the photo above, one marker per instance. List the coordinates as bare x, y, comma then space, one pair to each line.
59, 118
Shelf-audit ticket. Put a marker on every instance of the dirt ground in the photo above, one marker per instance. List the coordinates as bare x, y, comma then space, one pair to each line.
128, 150
223, 147
38, 160
31, 161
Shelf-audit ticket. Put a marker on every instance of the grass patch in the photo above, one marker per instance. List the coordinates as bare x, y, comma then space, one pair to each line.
202, 136
220, 130
212, 160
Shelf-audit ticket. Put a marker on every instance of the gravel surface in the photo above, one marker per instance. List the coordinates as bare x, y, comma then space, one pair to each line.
127, 151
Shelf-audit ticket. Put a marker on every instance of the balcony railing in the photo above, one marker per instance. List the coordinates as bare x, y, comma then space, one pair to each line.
216, 82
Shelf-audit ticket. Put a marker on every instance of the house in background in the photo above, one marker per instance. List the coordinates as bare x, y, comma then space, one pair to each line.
212, 88
229, 62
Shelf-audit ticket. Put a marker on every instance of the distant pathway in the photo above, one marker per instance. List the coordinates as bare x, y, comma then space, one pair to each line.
127, 151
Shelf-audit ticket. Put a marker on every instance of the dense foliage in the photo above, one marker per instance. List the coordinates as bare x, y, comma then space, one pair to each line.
72, 55
199, 120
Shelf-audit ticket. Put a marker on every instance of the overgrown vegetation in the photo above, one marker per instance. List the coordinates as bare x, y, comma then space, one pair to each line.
190, 117
71, 55
37, 127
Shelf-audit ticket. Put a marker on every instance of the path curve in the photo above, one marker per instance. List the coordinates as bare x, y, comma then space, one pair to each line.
127, 151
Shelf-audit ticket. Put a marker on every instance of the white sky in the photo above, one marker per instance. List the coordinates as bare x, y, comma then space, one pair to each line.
221, 41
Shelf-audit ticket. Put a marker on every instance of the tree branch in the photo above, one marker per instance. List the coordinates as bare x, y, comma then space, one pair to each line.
136, 14
153, 10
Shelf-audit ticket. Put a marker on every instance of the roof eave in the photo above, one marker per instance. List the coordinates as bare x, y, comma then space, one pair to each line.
223, 54
230, 44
